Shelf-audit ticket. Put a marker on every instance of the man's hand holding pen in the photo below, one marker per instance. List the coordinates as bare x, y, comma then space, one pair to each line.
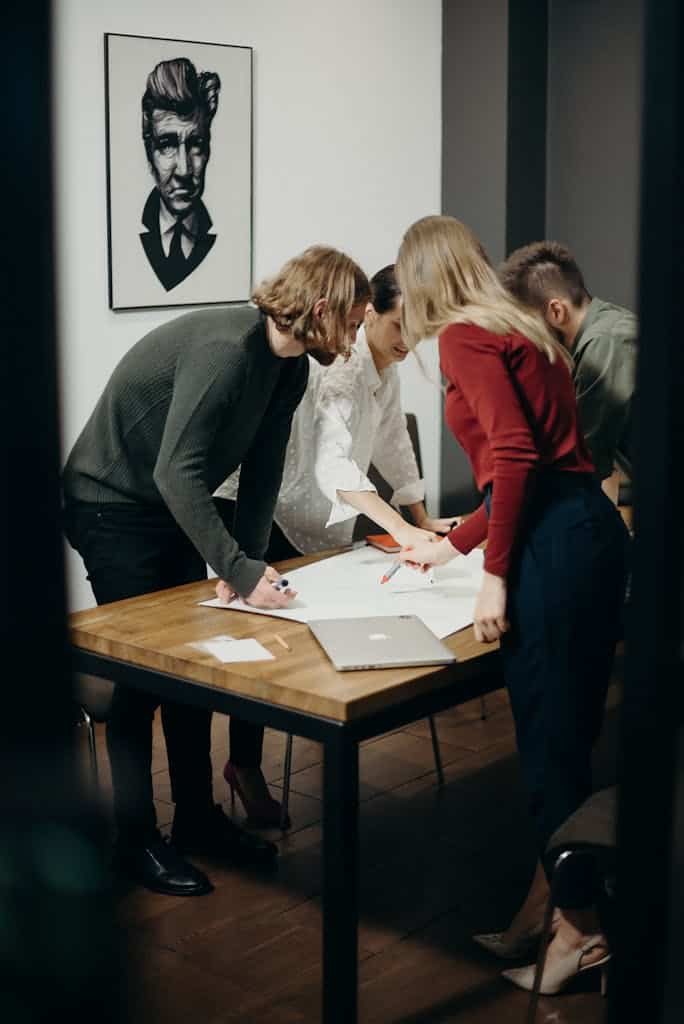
272, 591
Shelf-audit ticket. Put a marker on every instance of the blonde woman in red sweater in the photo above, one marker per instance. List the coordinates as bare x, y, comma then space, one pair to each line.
553, 585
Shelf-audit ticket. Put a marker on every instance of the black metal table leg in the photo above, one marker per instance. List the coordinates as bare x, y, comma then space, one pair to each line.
340, 878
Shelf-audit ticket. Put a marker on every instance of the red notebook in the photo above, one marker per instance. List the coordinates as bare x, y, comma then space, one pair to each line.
384, 542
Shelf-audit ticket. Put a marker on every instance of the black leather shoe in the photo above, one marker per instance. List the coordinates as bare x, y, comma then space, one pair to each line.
159, 867
215, 835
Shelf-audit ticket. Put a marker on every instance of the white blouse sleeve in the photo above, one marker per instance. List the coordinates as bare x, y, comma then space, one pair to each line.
337, 426
229, 488
393, 453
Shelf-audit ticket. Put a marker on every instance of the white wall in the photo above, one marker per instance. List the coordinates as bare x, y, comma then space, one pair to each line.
347, 116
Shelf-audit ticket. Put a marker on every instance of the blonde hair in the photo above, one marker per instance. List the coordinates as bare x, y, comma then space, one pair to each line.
289, 298
446, 278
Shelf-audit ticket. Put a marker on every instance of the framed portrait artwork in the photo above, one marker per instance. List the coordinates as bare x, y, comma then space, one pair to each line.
179, 171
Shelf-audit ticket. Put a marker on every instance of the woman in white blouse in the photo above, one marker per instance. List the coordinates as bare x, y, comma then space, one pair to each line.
350, 416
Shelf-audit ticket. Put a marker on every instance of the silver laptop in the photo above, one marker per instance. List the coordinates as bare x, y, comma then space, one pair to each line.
382, 641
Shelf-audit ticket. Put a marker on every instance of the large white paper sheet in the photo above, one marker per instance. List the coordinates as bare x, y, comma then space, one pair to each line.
348, 586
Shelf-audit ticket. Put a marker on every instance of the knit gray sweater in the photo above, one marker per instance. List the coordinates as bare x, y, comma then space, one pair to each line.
188, 404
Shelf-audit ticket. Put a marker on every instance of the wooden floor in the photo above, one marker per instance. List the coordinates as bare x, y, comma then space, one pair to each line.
436, 866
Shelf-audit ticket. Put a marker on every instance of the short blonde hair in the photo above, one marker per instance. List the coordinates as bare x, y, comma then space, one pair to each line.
318, 273
445, 277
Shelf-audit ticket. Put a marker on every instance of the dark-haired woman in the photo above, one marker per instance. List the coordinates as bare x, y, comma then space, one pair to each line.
350, 416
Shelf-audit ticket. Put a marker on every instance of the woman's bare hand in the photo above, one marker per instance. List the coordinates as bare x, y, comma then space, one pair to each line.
489, 619
408, 535
440, 526
428, 553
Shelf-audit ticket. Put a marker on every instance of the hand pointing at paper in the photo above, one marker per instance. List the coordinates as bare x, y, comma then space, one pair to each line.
489, 618
224, 591
264, 595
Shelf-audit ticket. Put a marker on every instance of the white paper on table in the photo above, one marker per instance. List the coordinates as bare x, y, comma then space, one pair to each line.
227, 650
348, 586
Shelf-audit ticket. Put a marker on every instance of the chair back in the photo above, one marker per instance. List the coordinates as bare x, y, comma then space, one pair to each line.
364, 525
580, 855
94, 694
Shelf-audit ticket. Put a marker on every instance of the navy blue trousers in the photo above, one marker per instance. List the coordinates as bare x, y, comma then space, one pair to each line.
566, 591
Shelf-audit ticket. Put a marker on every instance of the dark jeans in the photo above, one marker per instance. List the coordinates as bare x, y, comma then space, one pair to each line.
246, 738
565, 599
130, 550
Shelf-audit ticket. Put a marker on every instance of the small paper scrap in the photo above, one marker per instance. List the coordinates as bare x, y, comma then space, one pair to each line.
227, 650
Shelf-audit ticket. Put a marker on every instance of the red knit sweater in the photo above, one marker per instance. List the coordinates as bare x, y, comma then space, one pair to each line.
513, 412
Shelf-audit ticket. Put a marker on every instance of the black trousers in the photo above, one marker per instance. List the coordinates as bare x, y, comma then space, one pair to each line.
246, 738
565, 602
129, 550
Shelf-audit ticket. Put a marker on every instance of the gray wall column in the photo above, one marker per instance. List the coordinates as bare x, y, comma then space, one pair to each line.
594, 127
493, 149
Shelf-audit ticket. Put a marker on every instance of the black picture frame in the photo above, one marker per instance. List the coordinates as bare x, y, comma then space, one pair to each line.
179, 172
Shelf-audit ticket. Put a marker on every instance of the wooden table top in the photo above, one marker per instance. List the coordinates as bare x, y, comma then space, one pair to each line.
157, 630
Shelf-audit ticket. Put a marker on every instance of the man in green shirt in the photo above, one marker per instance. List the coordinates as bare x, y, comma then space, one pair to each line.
601, 336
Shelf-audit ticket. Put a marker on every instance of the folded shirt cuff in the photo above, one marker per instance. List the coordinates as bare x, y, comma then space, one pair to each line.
340, 510
409, 494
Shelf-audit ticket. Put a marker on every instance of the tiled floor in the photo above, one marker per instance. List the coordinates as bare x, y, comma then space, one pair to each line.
437, 865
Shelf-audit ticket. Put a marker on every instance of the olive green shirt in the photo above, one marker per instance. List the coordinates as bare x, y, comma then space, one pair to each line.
605, 354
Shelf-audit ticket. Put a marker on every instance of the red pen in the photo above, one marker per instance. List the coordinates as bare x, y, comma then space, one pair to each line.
390, 572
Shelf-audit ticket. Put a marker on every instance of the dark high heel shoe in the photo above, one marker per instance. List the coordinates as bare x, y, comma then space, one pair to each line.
264, 813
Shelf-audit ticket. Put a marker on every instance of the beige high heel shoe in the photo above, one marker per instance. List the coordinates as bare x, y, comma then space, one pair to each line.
507, 949
557, 976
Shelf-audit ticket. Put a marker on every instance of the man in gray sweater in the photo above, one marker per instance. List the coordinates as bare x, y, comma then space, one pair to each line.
188, 404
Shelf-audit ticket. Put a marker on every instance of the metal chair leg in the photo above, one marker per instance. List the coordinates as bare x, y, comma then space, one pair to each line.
437, 752
286, 782
90, 725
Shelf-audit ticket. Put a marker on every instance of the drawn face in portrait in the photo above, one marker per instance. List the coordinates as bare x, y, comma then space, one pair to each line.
179, 172
178, 107
179, 157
